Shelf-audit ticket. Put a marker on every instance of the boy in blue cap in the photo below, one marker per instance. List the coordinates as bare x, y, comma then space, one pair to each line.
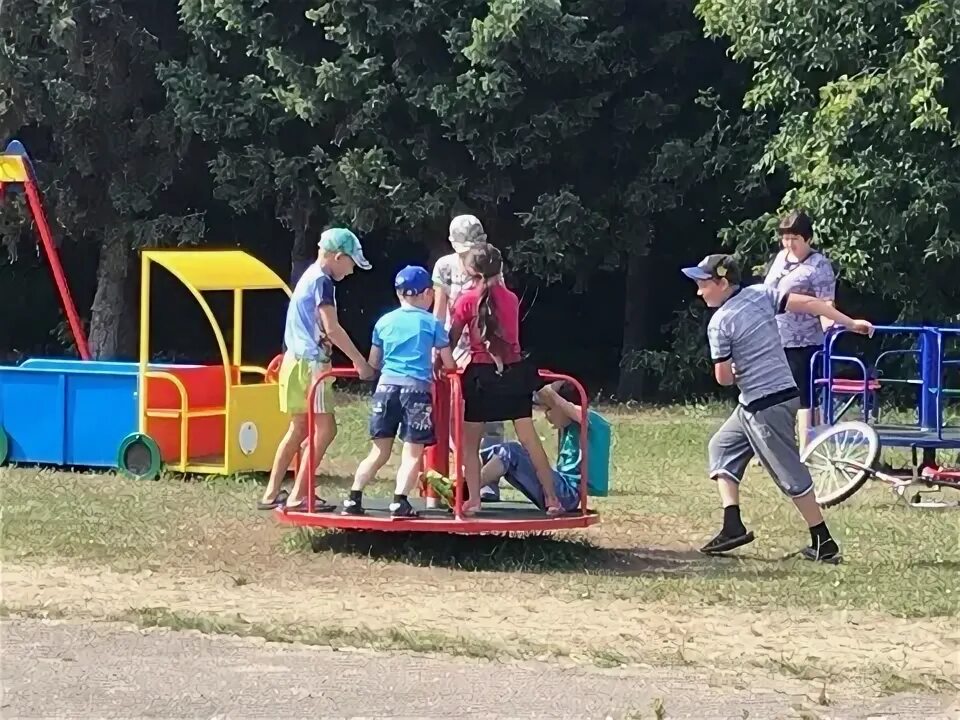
310, 332
402, 348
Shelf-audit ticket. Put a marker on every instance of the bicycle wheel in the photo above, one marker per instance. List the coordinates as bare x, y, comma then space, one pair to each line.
840, 460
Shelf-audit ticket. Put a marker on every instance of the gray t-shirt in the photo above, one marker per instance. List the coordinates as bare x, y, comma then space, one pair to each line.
449, 274
814, 277
744, 329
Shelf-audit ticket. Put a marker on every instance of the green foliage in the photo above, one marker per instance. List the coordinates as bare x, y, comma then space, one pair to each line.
569, 128
77, 83
866, 99
78, 87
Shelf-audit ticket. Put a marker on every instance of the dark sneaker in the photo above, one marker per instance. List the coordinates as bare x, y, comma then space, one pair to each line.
402, 509
352, 507
490, 493
828, 552
725, 543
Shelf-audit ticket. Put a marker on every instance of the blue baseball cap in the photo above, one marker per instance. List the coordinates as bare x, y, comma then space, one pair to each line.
412, 280
341, 240
715, 267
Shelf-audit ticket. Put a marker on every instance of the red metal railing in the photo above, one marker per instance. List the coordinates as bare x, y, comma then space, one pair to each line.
456, 419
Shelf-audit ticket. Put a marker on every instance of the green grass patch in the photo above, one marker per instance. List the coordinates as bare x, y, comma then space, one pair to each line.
898, 560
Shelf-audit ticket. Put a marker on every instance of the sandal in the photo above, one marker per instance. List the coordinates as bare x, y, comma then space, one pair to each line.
319, 506
278, 500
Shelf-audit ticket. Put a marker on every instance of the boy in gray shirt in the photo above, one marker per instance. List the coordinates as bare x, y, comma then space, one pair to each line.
746, 350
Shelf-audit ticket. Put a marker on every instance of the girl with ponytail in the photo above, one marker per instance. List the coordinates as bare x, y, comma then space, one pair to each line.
499, 382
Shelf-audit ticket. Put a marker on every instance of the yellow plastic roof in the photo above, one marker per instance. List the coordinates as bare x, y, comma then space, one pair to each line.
12, 169
217, 269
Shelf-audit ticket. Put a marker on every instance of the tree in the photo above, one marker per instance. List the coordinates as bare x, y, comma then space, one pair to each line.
572, 131
866, 101
78, 85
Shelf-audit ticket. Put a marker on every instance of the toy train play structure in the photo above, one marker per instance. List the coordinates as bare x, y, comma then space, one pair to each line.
141, 417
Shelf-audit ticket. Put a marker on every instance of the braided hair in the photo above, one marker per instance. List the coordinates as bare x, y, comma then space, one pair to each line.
486, 263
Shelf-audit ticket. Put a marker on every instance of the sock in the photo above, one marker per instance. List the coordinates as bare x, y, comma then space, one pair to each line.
732, 524
399, 499
819, 534
356, 496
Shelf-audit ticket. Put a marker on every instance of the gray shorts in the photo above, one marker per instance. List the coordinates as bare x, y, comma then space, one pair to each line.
768, 434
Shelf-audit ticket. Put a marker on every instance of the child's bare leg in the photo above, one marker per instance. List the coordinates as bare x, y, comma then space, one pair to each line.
527, 435
809, 508
492, 471
409, 471
369, 467
286, 451
326, 431
472, 432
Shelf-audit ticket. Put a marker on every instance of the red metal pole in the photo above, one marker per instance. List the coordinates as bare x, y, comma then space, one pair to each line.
311, 431
437, 457
312, 427
53, 256
457, 424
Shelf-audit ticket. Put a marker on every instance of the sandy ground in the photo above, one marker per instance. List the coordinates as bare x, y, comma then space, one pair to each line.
839, 647
82, 670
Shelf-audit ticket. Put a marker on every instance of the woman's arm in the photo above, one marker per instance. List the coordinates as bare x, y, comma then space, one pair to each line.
816, 306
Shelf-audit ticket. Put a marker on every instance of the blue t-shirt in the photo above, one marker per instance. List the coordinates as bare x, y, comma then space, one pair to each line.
598, 447
407, 337
303, 333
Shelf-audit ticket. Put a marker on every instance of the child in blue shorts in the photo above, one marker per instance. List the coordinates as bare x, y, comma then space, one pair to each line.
402, 349
509, 460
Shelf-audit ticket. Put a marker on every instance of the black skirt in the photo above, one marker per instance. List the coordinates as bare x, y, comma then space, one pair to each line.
798, 358
489, 396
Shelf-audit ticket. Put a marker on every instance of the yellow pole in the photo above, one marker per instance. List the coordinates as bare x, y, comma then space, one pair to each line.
237, 327
144, 339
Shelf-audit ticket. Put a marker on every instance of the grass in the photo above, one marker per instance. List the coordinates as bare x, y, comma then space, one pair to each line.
898, 560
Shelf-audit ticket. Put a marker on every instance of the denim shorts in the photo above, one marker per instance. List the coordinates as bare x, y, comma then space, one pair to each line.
521, 474
404, 412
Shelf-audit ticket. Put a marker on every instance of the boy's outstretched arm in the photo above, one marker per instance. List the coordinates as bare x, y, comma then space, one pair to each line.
339, 337
815, 306
441, 301
548, 396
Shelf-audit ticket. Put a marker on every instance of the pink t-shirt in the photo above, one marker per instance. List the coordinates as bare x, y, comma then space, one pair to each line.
506, 308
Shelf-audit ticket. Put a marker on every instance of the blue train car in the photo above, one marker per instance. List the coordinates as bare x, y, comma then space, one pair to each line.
66, 412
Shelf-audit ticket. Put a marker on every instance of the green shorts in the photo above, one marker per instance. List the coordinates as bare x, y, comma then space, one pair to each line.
295, 378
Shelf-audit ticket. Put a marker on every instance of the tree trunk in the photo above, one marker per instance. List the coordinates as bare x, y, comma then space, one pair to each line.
630, 384
112, 335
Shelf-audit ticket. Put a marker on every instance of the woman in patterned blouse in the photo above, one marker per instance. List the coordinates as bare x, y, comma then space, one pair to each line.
798, 268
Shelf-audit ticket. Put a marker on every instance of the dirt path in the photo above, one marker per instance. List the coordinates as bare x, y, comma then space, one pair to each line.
853, 649
105, 670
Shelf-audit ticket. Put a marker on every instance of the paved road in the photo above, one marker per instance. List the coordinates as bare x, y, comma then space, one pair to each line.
113, 671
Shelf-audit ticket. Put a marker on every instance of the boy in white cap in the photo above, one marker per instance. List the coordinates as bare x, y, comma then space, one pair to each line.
449, 280
311, 330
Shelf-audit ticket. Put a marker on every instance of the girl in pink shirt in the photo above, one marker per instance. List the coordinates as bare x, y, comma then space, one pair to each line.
499, 382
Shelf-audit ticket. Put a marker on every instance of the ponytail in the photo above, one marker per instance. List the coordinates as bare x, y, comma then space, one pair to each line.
486, 263
488, 324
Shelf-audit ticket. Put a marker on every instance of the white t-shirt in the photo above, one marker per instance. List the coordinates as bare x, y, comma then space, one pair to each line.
449, 274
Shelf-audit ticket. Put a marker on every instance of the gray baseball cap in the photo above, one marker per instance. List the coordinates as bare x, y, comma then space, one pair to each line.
466, 232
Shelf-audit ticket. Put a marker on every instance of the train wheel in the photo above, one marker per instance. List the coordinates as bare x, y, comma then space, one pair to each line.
139, 457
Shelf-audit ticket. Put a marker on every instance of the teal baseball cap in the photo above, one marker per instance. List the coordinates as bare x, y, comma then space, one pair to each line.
341, 240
